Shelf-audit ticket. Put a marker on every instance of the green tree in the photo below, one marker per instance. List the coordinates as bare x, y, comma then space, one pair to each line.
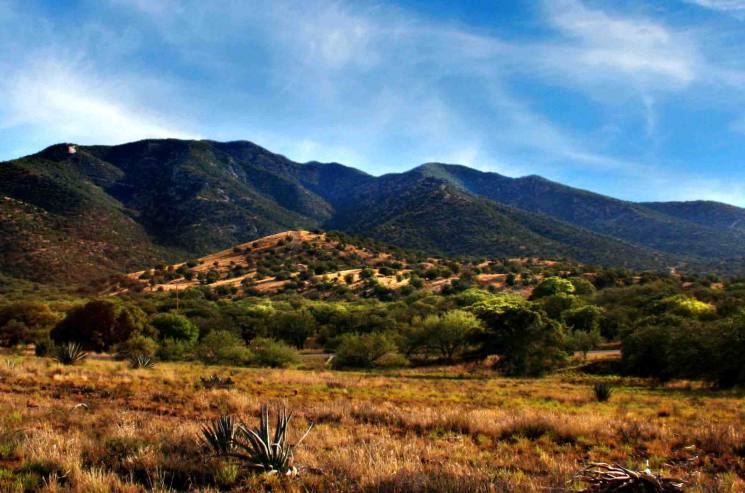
584, 318
175, 326
556, 305
584, 341
552, 286
100, 324
225, 348
646, 352
363, 350
294, 327
527, 341
685, 306
448, 334
582, 287
25, 322
727, 352
510, 279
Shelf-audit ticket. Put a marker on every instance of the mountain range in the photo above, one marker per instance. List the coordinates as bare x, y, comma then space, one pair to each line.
71, 213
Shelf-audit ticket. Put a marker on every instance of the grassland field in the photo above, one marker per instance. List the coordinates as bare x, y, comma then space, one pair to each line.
103, 427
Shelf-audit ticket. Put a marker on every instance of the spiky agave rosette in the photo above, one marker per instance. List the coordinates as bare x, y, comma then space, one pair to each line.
256, 448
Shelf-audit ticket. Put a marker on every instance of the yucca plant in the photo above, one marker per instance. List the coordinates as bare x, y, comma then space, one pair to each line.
141, 361
255, 448
606, 478
602, 391
70, 353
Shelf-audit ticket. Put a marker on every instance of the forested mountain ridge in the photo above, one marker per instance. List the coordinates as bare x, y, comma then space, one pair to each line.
69, 213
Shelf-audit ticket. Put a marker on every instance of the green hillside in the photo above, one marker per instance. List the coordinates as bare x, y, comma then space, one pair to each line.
73, 216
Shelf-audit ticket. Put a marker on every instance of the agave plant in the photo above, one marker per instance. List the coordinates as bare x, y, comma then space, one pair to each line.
607, 478
70, 353
141, 361
602, 391
215, 382
256, 448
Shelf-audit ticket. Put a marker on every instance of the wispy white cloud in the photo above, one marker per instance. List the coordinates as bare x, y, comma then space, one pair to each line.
636, 46
61, 98
735, 7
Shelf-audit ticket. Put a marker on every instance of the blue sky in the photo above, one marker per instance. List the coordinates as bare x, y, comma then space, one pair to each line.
638, 100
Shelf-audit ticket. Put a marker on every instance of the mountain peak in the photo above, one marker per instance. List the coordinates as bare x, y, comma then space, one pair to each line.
169, 199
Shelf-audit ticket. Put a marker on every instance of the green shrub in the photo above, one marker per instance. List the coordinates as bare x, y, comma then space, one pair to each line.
552, 286
275, 354
222, 347
44, 347
175, 326
136, 345
392, 360
363, 350
175, 350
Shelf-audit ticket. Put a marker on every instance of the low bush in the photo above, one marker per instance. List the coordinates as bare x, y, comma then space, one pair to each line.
136, 345
271, 353
222, 347
175, 350
365, 350
44, 347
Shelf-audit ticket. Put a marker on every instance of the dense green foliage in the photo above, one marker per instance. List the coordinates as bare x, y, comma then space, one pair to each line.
529, 342
176, 327
668, 327
25, 322
101, 324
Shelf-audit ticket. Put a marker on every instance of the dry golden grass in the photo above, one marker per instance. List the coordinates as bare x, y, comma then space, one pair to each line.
103, 427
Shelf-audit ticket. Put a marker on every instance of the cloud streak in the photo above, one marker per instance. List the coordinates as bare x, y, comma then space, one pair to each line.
55, 95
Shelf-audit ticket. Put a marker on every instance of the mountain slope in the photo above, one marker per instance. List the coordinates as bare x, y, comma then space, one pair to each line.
654, 227
707, 213
56, 226
432, 215
70, 213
